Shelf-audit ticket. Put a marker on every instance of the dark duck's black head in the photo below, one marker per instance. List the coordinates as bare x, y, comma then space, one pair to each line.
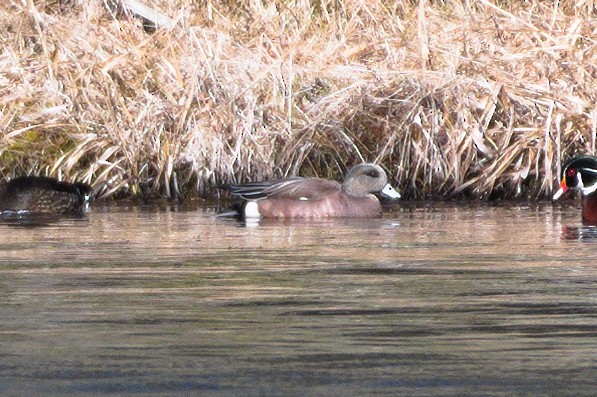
579, 173
43, 195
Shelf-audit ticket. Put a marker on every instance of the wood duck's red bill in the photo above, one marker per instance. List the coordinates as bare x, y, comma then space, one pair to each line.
563, 189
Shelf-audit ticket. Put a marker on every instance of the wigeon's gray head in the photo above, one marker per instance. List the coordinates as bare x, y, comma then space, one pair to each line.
367, 178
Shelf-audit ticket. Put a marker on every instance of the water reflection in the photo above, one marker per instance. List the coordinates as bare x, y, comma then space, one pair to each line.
579, 232
35, 220
426, 301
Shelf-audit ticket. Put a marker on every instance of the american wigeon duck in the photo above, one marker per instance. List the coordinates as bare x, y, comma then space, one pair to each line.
580, 173
318, 198
42, 195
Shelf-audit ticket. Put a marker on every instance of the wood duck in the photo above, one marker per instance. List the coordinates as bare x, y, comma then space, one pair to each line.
318, 198
43, 195
580, 173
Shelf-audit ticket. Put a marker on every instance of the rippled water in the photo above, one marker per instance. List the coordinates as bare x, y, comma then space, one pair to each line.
428, 301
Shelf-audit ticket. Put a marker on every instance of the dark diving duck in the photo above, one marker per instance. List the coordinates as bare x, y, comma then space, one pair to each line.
580, 174
38, 195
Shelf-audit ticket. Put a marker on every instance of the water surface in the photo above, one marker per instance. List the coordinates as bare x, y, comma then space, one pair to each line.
428, 301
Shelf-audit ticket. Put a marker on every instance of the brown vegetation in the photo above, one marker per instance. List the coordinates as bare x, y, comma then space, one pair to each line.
473, 97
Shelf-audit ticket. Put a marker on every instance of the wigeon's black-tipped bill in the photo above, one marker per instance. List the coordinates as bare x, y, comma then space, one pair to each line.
389, 192
563, 189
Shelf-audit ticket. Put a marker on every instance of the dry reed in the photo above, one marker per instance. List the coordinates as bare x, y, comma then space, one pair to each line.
477, 98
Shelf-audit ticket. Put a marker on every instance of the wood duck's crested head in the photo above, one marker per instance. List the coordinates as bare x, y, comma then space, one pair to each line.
579, 173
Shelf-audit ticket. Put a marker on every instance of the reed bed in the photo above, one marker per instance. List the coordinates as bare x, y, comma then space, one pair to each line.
473, 98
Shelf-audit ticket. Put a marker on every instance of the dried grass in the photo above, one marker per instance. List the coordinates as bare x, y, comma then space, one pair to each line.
476, 98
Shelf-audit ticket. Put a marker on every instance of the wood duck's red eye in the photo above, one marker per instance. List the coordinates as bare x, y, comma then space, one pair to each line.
571, 172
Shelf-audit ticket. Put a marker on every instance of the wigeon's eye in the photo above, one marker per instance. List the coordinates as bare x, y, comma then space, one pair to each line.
571, 172
373, 174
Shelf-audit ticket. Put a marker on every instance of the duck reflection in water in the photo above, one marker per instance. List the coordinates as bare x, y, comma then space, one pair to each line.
579, 232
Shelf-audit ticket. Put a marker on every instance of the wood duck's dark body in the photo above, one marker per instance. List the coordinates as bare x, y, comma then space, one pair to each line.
42, 195
589, 209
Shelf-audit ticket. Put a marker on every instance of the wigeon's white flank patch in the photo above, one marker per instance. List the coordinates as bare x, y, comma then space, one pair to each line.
304, 198
252, 210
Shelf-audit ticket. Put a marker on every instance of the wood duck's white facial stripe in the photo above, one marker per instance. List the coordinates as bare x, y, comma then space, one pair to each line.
589, 171
586, 190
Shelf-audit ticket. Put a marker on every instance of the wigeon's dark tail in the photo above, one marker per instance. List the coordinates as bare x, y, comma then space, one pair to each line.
235, 211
